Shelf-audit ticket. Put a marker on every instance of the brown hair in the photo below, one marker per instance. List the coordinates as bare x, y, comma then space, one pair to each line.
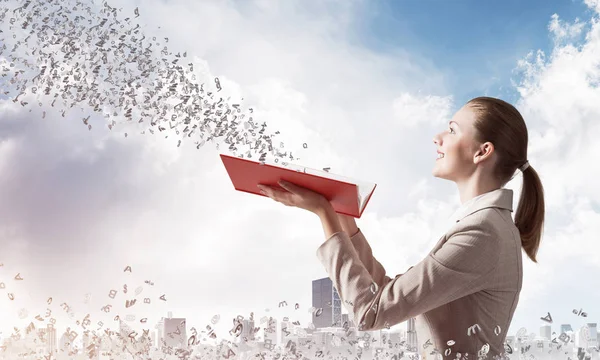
501, 124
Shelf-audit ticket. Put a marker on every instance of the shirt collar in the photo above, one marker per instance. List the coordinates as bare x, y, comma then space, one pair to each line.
499, 198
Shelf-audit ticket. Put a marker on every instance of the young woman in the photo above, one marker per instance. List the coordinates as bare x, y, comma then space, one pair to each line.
465, 291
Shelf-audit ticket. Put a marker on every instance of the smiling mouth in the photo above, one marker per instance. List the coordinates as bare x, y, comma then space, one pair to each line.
440, 156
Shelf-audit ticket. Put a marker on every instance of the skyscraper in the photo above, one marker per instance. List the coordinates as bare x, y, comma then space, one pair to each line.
174, 332
411, 334
247, 330
153, 337
65, 342
89, 347
546, 332
565, 327
593, 334
270, 331
345, 319
582, 337
160, 333
286, 328
326, 300
51, 339
129, 344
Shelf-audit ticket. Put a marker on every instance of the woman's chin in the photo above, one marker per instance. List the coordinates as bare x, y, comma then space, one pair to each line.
438, 174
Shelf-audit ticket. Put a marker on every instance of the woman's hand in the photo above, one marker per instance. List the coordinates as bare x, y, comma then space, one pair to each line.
297, 196
303, 198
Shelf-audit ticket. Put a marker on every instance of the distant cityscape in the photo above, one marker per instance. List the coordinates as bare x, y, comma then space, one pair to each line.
330, 335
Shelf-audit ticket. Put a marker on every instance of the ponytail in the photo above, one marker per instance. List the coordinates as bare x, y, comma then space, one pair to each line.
501, 124
529, 217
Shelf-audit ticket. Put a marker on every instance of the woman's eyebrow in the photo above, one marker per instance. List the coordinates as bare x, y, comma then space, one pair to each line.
453, 122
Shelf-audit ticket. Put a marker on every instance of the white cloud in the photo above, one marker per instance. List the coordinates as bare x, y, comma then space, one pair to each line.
560, 105
411, 110
593, 4
90, 202
565, 32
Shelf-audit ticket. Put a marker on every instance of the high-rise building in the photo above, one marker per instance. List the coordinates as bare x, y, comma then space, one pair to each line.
174, 332
51, 339
89, 347
286, 328
86, 339
247, 333
411, 334
320, 338
65, 343
395, 337
160, 333
127, 333
326, 300
375, 337
271, 334
565, 327
582, 337
593, 334
345, 319
510, 341
153, 337
546, 332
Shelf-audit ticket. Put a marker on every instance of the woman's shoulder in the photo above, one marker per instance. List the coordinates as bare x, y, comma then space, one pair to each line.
488, 222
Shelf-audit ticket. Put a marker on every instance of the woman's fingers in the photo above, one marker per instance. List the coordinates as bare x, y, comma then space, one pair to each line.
288, 186
274, 194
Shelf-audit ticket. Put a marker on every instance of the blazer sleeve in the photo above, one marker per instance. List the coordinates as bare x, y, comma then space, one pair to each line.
365, 255
461, 266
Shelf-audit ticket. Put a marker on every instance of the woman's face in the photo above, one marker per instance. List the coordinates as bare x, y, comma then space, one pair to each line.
457, 147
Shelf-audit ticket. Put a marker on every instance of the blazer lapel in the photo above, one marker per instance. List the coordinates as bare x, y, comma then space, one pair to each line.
499, 198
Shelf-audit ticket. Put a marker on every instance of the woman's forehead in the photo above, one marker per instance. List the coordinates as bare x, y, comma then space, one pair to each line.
465, 117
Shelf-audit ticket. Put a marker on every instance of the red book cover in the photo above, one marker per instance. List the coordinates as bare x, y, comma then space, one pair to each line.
347, 196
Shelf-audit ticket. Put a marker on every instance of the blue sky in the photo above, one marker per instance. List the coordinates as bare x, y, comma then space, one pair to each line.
342, 76
476, 42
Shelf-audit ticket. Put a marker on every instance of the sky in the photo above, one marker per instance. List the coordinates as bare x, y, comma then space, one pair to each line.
365, 85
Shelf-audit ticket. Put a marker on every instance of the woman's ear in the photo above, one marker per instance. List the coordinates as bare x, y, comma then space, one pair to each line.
485, 150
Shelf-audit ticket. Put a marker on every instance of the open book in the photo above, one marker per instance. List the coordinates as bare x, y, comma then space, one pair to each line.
347, 196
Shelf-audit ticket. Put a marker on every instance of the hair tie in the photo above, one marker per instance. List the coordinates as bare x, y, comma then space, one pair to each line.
524, 166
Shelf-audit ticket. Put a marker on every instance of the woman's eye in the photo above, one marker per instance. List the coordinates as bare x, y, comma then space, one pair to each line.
451, 130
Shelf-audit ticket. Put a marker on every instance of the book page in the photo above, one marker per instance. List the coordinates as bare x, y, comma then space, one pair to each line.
364, 190
315, 172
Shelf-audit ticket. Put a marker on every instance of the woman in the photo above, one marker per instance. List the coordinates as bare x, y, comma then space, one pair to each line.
467, 288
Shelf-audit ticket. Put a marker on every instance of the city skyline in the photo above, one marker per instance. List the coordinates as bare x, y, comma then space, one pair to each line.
329, 316
158, 340
358, 87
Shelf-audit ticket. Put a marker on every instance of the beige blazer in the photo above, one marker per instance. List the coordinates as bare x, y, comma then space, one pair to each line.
466, 289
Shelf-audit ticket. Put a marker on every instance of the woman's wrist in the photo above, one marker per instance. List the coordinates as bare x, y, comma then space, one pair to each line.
329, 220
353, 232
347, 223
349, 228
323, 208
